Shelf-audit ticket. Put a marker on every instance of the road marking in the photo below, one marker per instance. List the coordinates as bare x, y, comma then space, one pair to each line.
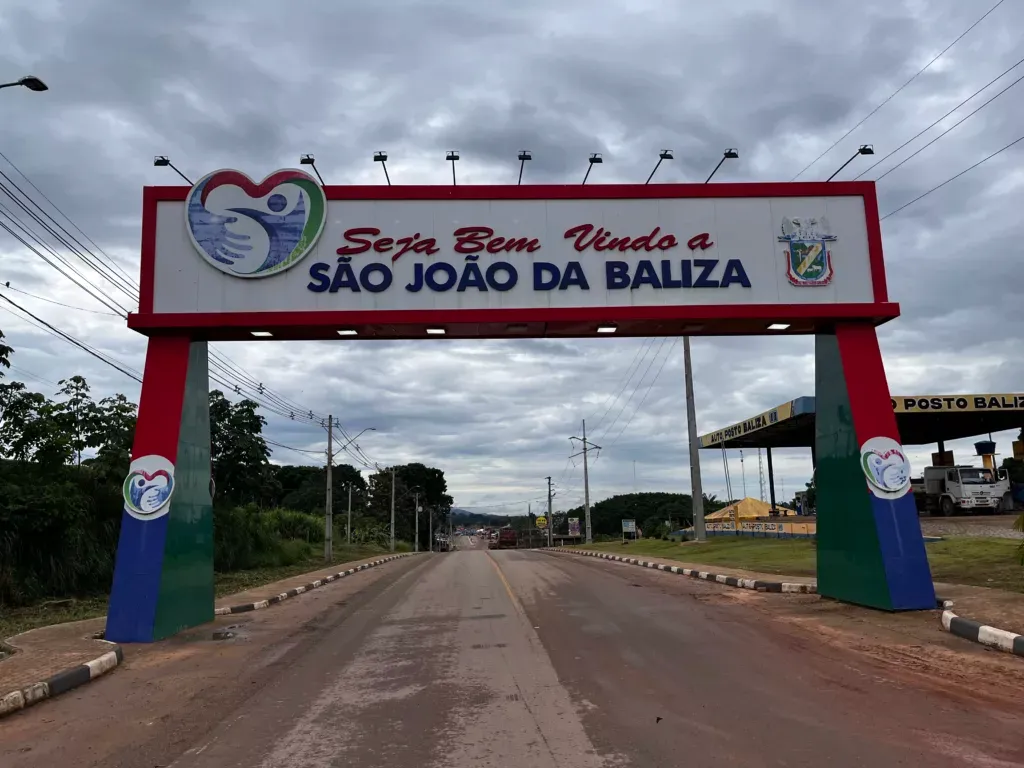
508, 587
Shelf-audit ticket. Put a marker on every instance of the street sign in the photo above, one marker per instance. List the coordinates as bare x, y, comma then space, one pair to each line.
574, 526
542, 522
629, 526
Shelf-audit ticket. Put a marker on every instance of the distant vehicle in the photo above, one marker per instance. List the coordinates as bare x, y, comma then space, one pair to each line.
507, 539
951, 490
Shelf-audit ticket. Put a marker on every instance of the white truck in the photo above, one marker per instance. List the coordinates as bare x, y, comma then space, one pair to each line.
951, 490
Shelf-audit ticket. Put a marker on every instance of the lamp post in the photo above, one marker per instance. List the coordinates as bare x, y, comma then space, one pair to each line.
592, 160
452, 156
311, 161
161, 161
523, 156
696, 491
729, 154
864, 149
382, 158
665, 154
31, 82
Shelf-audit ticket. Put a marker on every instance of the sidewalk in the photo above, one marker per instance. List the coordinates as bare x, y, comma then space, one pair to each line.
48, 651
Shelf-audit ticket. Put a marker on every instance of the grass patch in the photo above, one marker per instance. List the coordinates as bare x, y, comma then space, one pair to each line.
16, 620
975, 561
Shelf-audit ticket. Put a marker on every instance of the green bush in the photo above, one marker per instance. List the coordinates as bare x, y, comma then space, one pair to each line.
58, 531
248, 537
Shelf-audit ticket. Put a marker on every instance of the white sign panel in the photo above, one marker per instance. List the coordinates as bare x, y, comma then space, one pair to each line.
282, 246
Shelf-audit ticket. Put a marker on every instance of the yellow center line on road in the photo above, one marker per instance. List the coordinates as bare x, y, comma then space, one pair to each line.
508, 587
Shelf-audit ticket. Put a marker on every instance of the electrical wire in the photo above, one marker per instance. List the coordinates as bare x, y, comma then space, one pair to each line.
122, 367
644, 398
64, 215
952, 178
954, 125
936, 122
891, 95
633, 393
59, 303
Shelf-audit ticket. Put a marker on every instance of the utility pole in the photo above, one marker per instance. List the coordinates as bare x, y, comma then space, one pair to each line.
392, 509
430, 531
587, 446
696, 492
551, 522
416, 497
348, 525
328, 504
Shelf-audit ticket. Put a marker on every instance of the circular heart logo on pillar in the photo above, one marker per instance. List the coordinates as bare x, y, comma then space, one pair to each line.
255, 230
886, 467
147, 489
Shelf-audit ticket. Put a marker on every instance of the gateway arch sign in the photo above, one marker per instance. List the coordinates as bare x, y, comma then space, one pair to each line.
284, 258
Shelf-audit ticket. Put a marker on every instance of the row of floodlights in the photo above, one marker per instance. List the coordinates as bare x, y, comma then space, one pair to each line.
524, 155
440, 331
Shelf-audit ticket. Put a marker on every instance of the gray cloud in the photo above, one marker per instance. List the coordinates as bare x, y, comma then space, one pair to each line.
212, 87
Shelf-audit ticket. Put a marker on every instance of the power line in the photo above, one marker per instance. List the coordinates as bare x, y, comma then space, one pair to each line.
81, 345
648, 392
64, 215
954, 125
59, 303
925, 130
953, 178
891, 95
633, 393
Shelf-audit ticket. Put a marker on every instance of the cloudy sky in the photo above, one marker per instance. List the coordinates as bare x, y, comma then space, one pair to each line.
782, 80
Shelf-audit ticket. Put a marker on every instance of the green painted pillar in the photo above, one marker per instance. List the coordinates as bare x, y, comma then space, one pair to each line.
163, 576
870, 548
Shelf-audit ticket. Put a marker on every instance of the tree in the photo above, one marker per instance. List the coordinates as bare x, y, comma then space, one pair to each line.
78, 415
238, 451
32, 428
115, 431
5, 354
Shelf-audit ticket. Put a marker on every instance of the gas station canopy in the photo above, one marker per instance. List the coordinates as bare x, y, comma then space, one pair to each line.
921, 419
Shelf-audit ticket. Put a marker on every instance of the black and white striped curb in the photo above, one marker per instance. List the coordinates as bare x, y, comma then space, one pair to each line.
62, 681
993, 637
731, 581
306, 588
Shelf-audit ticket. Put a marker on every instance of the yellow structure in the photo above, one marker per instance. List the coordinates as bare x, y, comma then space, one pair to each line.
748, 509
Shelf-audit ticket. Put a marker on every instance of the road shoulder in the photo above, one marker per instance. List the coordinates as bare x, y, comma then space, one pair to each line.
49, 661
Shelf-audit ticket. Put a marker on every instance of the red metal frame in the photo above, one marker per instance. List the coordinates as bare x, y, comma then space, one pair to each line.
575, 322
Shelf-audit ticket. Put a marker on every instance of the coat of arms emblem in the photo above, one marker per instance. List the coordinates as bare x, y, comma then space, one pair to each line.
808, 259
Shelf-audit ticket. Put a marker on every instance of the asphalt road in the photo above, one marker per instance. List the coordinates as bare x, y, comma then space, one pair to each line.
520, 658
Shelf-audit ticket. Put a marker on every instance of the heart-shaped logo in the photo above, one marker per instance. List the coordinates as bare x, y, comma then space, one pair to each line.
885, 467
255, 230
147, 489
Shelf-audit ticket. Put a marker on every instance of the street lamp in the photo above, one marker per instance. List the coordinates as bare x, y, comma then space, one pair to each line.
864, 149
594, 158
665, 154
31, 82
523, 156
452, 156
382, 158
310, 160
161, 161
729, 154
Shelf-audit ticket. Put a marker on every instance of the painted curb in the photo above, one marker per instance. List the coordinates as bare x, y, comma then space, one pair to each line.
62, 681
1000, 639
245, 607
730, 581
84, 673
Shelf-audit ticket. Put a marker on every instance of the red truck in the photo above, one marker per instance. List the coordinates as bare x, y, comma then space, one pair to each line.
507, 539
